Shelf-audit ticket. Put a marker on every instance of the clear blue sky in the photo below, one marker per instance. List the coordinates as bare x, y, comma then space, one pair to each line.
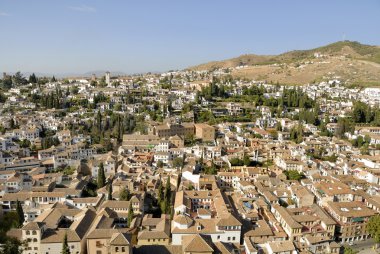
76, 36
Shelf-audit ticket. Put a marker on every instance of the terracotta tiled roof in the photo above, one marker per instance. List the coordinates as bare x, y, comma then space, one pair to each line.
195, 243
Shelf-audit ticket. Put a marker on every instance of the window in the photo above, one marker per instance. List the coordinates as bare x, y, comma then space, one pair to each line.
34, 232
28, 232
233, 238
123, 249
98, 252
218, 237
116, 249
229, 238
34, 239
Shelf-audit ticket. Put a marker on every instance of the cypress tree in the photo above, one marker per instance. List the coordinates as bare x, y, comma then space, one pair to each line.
99, 120
110, 191
160, 190
167, 196
120, 129
101, 176
65, 245
20, 213
130, 215
167, 188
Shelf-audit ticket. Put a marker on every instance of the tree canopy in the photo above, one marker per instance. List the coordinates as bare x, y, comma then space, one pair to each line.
294, 175
374, 227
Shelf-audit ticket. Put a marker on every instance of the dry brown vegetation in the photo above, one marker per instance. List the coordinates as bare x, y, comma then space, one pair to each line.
355, 63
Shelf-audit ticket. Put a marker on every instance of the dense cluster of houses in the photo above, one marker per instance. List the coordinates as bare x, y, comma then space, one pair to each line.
251, 208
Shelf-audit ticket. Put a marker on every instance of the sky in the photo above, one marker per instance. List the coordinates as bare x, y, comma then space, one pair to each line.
78, 36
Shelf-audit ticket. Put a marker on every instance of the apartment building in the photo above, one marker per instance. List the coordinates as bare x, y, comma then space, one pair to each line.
352, 219
45, 234
109, 241
333, 191
206, 213
154, 231
300, 222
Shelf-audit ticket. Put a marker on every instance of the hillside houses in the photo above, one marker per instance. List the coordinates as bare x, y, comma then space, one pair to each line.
162, 163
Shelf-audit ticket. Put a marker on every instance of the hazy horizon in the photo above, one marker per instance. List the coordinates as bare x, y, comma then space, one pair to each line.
76, 37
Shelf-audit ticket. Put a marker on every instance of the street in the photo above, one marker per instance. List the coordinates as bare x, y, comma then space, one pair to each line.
363, 246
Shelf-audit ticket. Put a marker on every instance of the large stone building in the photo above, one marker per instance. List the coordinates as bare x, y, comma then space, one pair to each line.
169, 130
204, 131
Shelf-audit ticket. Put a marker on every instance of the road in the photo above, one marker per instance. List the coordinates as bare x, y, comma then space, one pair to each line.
362, 245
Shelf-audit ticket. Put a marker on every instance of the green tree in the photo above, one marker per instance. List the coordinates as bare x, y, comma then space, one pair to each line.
74, 90
236, 162
117, 107
294, 175
160, 164
20, 213
110, 191
7, 83
65, 245
130, 215
210, 170
11, 246
24, 143
160, 192
124, 194
362, 113
344, 125
359, 141
12, 124
33, 79
18, 79
3, 98
178, 162
348, 250
167, 197
246, 160
296, 134
101, 176
278, 126
374, 227
7, 221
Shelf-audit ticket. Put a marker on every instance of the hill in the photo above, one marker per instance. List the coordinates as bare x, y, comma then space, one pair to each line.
355, 63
